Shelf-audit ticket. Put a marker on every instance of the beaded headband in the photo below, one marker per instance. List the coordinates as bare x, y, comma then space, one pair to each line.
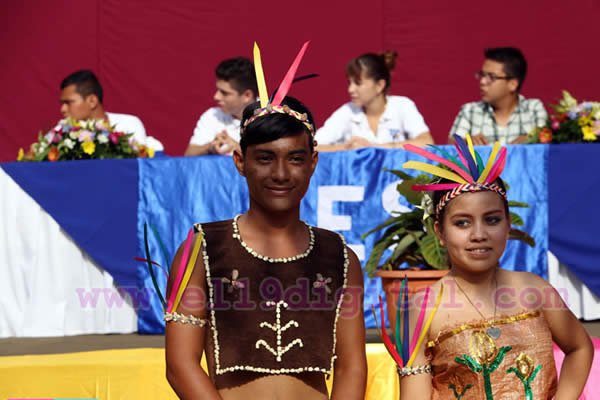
274, 106
467, 173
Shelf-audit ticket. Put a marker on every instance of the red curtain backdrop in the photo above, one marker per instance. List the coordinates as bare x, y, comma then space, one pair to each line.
156, 59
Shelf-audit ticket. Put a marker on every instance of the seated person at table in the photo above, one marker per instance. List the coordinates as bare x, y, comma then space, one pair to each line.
373, 118
503, 114
82, 98
218, 129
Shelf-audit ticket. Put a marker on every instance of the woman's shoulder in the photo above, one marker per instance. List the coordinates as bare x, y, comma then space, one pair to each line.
399, 101
522, 280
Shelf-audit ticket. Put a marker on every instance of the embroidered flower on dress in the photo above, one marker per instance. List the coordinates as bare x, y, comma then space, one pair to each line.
234, 283
322, 282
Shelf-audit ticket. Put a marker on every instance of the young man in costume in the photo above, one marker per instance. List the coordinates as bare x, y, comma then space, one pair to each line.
274, 304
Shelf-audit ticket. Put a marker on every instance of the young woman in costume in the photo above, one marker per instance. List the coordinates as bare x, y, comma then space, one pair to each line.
372, 117
274, 304
490, 330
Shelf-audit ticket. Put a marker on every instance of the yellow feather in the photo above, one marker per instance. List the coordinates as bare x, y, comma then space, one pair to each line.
471, 149
433, 170
490, 163
260, 77
188, 271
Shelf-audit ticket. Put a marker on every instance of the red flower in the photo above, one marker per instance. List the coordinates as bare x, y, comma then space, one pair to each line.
57, 138
53, 154
114, 137
546, 135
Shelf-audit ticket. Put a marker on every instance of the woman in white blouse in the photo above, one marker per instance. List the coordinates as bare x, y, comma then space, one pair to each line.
372, 118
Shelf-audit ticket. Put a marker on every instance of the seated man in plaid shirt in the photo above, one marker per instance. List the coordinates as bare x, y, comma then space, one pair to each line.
503, 114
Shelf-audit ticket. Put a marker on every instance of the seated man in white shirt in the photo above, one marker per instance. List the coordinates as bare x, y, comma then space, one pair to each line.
218, 129
82, 98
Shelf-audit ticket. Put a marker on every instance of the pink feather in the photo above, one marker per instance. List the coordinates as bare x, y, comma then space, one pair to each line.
435, 157
286, 83
181, 269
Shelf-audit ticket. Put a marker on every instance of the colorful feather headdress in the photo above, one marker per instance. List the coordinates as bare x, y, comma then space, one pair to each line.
271, 106
467, 173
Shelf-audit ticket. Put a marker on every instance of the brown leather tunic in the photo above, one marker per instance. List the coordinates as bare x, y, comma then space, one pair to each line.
520, 357
271, 316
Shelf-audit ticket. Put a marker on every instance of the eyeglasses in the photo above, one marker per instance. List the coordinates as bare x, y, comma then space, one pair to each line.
490, 76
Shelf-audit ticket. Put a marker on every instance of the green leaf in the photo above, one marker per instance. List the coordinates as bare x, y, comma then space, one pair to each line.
516, 234
382, 244
388, 222
433, 252
400, 174
405, 242
518, 204
405, 189
515, 219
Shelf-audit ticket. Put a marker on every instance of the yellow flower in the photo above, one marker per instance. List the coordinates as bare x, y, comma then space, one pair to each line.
482, 347
524, 365
150, 152
88, 147
586, 121
21, 154
588, 133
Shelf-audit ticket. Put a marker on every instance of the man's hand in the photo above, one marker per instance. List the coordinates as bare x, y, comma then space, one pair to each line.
223, 144
479, 139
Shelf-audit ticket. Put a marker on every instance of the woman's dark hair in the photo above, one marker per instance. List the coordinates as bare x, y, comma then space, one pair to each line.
275, 126
439, 194
375, 66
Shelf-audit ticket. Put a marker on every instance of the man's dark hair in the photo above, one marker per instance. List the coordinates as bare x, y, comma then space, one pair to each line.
275, 126
513, 61
85, 82
239, 72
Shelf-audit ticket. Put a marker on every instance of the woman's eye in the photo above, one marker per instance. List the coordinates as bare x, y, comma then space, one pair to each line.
493, 220
461, 223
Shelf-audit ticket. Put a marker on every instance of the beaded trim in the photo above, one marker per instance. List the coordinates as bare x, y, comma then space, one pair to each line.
420, 369
443, 335
254, 253
468, 188
279, 349
271, 109
340, 300
184, 319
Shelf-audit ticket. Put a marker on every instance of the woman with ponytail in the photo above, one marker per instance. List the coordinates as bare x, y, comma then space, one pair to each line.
373, 118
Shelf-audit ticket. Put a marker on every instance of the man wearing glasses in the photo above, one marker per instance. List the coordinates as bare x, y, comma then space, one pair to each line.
503, 114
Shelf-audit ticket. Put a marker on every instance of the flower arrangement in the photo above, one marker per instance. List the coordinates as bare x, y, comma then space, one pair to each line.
71, 139
411, 235
571, 122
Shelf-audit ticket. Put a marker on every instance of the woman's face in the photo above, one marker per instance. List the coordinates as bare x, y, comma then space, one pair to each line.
474, 230
364, 91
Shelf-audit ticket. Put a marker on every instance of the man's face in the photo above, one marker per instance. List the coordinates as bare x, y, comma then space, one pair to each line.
493, 85
277, 173
73, 105
230, 100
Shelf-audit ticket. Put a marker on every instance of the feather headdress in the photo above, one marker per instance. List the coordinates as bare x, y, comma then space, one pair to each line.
467, 173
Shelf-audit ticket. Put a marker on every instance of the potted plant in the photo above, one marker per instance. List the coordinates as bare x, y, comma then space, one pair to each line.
415, 249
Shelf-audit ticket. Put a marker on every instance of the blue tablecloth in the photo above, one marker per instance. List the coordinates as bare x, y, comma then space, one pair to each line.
102, 205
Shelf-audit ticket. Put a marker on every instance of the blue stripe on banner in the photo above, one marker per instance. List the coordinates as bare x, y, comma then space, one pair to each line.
349, 193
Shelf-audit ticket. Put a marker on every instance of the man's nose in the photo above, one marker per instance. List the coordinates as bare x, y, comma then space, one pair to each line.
280, 171
63, 109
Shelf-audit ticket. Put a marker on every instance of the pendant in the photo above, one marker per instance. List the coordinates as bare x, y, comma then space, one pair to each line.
494, 332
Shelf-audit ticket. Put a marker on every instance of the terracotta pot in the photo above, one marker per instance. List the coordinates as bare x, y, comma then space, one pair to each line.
418, 279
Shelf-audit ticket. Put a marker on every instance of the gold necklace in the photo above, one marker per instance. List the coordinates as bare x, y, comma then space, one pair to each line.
492, 330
